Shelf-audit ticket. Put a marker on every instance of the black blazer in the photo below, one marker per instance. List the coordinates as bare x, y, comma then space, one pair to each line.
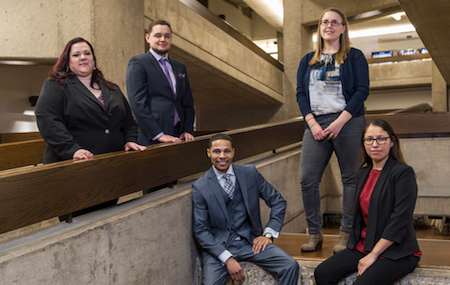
70, 117
211, 225
152, 100
390, 212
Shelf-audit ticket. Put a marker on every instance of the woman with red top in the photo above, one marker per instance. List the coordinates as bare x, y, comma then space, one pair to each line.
382, 247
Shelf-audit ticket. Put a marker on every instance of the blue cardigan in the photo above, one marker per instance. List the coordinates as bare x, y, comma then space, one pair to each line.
354, 78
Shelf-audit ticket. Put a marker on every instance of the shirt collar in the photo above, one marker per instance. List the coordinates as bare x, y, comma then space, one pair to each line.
158, 56
219, 174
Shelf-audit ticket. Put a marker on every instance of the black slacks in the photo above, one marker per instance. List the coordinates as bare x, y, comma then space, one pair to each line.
383, 272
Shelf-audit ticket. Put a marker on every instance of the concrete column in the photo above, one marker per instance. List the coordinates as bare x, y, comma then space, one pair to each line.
118, 34
297, 41
280, 44
115, 29
439, 90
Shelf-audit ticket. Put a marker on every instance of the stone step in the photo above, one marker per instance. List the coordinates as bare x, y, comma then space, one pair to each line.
434, 266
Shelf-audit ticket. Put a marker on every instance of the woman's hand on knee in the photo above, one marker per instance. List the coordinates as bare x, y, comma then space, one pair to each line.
365, 263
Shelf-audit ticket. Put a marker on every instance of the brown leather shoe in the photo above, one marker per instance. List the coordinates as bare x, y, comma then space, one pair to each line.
342, 242
313, 243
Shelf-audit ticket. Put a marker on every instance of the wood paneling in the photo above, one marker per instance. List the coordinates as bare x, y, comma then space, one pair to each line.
30, 195
19, 137
20, 154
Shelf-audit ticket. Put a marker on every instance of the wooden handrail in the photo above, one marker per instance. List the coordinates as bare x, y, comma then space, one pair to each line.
399, 58
19, 137
21, 154
419, 108
30, 195
428, 124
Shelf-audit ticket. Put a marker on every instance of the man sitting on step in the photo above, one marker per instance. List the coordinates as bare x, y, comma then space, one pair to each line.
227, 222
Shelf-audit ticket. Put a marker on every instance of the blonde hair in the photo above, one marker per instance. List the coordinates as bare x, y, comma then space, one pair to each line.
344, 40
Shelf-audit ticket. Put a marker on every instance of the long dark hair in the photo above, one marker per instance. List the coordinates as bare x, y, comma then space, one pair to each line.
395, 152
61, 71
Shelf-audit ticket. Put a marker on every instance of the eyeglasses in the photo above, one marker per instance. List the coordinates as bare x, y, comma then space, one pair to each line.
380, 140
334, 23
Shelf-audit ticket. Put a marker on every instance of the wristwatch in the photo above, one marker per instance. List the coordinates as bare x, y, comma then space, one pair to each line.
269, 235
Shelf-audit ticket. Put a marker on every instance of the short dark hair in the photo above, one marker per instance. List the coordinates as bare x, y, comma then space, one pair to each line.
158, 22
220, 137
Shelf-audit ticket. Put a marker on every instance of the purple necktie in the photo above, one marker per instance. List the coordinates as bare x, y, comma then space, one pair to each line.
166, 72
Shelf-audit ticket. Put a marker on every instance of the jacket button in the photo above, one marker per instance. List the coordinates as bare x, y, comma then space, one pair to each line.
106, 131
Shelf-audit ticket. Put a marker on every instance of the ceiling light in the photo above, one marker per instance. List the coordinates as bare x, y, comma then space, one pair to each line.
18, 62
398, 16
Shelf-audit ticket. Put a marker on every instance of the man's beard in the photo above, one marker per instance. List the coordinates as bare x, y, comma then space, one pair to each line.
160, 51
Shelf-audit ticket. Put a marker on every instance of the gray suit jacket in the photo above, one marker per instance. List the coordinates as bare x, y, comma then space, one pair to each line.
211, 226
152, 100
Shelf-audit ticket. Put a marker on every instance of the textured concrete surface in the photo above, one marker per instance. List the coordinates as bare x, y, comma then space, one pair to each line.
429, 157
46, 26
440, 90
143, 241
255, 275
134, 243
400, 74
427, 17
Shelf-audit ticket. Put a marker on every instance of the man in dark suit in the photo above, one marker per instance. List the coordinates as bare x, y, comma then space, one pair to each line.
159, 91
227, 222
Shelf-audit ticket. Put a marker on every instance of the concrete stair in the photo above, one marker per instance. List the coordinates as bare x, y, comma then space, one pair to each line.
434, 267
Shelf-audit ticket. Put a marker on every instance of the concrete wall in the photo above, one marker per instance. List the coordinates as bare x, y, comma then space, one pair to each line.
233, 15
200, 39
46, 26
149, 241
430, 159
144, 241
400, 74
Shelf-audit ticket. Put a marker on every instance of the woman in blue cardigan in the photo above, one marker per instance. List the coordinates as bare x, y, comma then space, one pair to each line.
382, 247
332, 85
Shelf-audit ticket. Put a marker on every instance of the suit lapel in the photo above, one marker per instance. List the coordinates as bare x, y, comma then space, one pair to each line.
217, 190
240, 177
80, 87
378, 190
159, 70
106, 96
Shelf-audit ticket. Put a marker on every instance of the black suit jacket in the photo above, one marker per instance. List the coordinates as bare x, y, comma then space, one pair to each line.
70, 117
211, 226
390, 212
152, 100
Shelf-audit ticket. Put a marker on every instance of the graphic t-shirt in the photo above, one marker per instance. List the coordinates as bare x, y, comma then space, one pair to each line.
325, 87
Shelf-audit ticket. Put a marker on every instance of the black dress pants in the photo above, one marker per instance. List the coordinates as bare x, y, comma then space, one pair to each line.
383, 272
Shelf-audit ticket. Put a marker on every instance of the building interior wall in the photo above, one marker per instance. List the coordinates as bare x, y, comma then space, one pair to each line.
99, 28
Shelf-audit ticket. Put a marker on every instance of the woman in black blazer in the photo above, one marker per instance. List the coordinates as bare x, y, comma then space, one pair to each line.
382, 247
79, 113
